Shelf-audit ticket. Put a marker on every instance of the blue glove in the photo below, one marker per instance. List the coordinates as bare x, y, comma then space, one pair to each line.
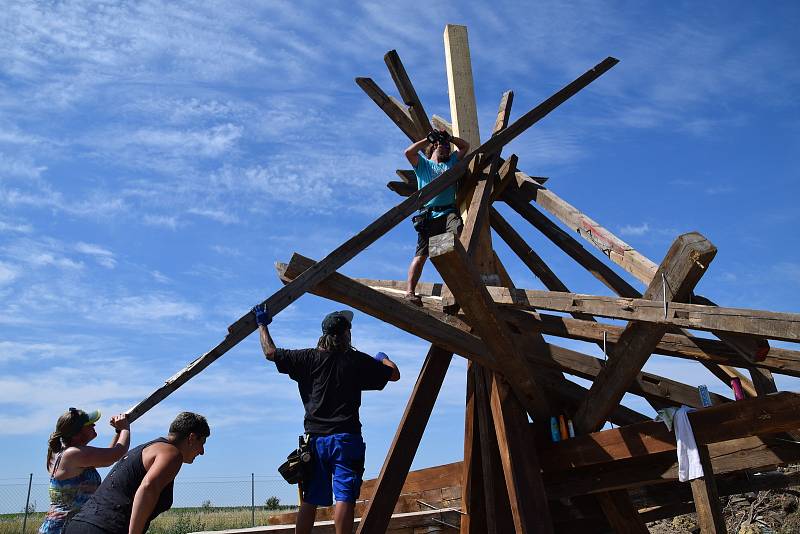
380, 356
261, 311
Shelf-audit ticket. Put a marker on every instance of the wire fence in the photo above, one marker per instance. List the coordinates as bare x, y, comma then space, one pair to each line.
24, 500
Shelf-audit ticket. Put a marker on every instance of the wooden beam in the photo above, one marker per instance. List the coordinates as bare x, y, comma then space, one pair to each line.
472, 495
773, 325
684, 264
390, 107
751, 417
726, 457
499, 518
408, 93
450, 259
401, 188
526, 492
463, 110
706, 498
503, 113
406, 440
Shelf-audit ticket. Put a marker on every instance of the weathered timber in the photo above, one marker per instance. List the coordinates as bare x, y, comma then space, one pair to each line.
526, 492
773, 325
245, 325
706, 498
404, 446
401, 188
752, 349
499, 515
408, 176
684, 264
750, 417
392, 110
726, 457
505, 175
472, 494
450, 259
503, 113
407, 93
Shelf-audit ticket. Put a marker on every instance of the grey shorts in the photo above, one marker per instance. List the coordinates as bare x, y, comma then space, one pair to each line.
446, 223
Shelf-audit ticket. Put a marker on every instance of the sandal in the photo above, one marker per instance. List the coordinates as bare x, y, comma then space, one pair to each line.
411, 298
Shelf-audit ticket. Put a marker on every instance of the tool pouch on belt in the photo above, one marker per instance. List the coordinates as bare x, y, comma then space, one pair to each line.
420, 221
297, 467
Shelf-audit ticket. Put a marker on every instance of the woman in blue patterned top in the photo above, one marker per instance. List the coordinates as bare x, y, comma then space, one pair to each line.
71, 463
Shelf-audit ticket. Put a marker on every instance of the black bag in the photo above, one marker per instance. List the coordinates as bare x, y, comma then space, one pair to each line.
420, 220
297, 467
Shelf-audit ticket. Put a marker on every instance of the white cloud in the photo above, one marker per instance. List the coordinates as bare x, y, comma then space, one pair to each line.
165, 221
141, 309
13, 227
641, 229
216, 215
7, 273
102, 256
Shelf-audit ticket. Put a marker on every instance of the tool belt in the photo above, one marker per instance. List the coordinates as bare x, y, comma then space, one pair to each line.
420, 220
297, 467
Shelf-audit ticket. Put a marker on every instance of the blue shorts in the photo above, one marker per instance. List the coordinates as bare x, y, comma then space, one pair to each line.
337, 456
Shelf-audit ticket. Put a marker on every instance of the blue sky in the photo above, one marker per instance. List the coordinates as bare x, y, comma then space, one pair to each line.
156, 159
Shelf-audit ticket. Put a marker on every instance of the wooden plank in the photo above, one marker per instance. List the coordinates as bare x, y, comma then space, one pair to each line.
498, 510
503, 113
726, 457
706, 498
450, 259
705, 350
505, 175
408, 176
406, 440
757, 416
472, 495
463, 110
408, 94
526, 492
773, 325
572, 248
401, 188
390, 107
684, 264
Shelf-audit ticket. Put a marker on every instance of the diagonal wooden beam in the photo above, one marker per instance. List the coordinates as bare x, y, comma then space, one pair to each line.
408, 93
684, 264
389, 106
473, 503
450, 259
406, 440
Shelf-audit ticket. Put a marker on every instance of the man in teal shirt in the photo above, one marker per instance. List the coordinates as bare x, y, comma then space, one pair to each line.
440, 214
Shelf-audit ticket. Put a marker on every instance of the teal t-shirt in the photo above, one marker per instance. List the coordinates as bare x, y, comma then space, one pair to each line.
427, 171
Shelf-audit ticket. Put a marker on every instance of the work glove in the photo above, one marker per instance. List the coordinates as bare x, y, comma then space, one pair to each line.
261, 311
380, 356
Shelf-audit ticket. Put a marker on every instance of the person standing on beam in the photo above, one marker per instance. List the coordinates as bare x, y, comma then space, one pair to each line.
330, 378
438, 215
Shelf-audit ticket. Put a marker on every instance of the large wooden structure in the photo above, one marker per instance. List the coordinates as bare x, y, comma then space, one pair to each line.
513, 479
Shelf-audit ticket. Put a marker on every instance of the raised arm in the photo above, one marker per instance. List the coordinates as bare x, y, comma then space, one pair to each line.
263, 318
384, 359
86, 456
461, 145
162, 471
412, 152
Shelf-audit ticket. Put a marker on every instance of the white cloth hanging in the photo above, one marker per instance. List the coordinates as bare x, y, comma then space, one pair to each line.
689, 466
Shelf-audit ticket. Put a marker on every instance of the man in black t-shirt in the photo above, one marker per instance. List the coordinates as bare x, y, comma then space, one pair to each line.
330, 379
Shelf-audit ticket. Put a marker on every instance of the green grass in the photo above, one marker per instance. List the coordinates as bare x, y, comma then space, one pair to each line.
176, 521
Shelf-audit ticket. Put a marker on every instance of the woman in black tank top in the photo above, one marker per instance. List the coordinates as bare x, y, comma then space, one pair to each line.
139, 487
